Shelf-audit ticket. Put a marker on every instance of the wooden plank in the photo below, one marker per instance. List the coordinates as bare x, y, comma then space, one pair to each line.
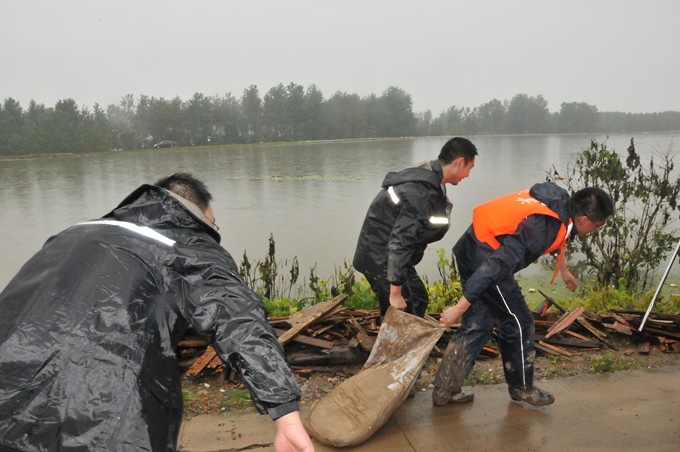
660, 332
215, 362
365, 341
576, 335
546, 350
490, 350
619, 327
302, 339
555, 348
189, 342
597, 333
570, 342
201, 362
620, 319
301, 320
564, 322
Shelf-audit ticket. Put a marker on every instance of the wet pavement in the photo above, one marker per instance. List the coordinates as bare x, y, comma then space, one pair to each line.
629, 410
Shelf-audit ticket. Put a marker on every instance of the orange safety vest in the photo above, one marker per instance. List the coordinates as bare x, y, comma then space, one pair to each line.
503, 215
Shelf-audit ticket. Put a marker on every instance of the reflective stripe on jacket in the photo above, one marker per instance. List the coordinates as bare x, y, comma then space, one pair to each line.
409, 212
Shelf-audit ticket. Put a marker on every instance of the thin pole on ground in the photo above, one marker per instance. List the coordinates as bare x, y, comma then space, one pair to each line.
658, 289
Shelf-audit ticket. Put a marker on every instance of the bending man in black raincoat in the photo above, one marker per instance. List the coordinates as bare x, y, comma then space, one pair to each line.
506, 235
411, 211
89, 328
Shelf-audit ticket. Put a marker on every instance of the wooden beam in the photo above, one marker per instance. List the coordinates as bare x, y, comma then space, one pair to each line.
201, 362
301, 320
564, 322
555, 348
302, 339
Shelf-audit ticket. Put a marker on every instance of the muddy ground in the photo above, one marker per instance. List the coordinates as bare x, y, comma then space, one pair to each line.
211, 394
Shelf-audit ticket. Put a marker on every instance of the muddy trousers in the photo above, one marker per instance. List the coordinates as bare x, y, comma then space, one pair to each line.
501, 306
413, 290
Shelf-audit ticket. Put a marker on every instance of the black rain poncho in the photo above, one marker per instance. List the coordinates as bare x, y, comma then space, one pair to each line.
89, 328
410, 212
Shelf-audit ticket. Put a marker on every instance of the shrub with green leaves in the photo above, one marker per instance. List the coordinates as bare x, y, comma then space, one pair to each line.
643, 230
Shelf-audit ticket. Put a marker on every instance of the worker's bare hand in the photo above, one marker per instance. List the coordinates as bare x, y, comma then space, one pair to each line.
398, 302
291, 435
451, 315
569, 280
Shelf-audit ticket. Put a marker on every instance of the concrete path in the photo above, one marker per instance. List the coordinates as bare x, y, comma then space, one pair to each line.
632, 410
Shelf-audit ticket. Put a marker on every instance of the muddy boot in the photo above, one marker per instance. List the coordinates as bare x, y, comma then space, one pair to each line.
534, 396
440, 399
448, 382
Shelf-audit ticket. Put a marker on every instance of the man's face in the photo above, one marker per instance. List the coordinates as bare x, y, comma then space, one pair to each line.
460, 170
584, 225
208, 212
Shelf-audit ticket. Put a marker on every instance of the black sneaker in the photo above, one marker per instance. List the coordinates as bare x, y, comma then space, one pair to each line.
534, 396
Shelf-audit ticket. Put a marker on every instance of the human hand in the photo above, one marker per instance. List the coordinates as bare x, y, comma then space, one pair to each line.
397, 300
451, 315
570, 280
291, 435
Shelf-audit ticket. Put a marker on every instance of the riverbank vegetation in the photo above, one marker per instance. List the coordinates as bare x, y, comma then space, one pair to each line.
291, 113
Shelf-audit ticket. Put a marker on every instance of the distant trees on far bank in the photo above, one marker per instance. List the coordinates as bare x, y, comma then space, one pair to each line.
291, 113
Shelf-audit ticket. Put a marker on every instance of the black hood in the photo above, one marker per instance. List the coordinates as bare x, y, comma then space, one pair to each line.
556, 198
153, 206
431, 176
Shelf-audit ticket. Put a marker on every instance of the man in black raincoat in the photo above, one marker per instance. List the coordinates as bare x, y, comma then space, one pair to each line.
89, 328
411, 211
507, 235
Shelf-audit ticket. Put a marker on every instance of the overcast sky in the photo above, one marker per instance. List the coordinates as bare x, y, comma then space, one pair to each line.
620, 55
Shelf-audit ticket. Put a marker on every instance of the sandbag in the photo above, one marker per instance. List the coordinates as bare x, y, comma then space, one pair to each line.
358, 407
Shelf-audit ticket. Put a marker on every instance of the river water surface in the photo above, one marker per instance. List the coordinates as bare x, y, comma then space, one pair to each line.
311, 196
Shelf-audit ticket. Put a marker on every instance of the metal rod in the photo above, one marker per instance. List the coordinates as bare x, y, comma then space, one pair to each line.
658, 289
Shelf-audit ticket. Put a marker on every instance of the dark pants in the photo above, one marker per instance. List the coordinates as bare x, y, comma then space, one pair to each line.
501, 306
413, 291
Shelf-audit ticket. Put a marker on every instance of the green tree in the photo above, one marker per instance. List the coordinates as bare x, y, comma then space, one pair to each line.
122, 120
199, 117
395, 113
11, 125
527, 114
341, 116
230, 123
313, 108
642, 230
275, 114
296, 113
251, 105
449, 122
578, 117
491, 117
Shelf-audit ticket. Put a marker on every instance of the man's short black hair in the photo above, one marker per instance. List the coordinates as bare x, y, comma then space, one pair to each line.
188, 187
592, 202
457, 147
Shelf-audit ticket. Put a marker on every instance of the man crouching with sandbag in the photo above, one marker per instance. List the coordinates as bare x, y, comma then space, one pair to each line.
507, 235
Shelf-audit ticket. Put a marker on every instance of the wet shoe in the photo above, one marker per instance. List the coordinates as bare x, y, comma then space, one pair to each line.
440, 398
448, 382
534, 396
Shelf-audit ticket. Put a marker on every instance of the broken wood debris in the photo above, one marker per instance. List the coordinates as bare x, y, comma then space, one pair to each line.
328, 335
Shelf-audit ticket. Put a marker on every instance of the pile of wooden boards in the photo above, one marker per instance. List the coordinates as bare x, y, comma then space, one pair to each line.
327, 335
557, 330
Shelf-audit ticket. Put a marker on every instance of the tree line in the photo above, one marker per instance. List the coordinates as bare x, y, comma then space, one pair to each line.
291, 113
